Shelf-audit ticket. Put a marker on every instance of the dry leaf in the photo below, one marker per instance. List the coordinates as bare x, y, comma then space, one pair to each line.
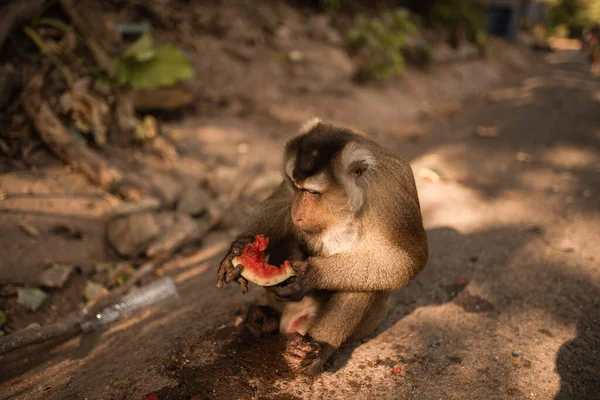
430, 175
30, 230
487, 131
523, 157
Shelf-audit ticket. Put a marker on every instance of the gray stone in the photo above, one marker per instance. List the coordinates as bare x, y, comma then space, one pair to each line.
130, 235
193, 201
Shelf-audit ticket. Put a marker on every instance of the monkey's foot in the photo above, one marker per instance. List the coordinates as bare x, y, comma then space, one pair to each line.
303, 355
262, 320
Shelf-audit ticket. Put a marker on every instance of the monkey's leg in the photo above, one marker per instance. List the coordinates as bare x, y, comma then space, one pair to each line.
342, 315
373, 317
262, 320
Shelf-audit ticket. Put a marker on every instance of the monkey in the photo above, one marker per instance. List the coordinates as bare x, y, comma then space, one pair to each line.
347, 216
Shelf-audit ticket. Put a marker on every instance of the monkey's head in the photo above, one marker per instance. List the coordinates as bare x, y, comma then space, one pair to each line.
328, 169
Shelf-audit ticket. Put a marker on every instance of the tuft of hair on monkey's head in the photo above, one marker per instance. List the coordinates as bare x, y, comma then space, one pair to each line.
327, 167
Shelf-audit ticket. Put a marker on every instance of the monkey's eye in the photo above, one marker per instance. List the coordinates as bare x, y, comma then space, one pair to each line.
360, 171
311, 191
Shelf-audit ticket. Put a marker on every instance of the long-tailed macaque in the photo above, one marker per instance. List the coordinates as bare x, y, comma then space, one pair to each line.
348, 218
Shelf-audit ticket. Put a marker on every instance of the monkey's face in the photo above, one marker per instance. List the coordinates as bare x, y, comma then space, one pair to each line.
325, 168
314, 211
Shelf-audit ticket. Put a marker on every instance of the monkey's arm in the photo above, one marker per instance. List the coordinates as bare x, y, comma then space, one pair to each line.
375, 265
272, 218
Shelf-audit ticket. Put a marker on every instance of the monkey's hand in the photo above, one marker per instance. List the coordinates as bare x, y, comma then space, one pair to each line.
295, 288
303, 354
227, 271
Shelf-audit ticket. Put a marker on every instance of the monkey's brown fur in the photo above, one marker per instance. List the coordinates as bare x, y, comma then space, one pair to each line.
348, 217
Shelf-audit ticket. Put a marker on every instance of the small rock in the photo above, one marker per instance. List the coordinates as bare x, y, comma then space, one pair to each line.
166, 188
243, 148
222, 179
523, 157
67, 231
93, 290
131, 235
442, 53
31, 299
295, 56
319, 27
176, 228
193, 201
56, 275
466, 51
487, 131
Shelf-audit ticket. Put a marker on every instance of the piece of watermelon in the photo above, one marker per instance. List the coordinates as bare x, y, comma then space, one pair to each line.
256, 269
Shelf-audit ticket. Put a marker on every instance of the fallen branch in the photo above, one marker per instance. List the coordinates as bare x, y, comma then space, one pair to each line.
145, 205
69, 149
197, 257
97, 37
10, 82
15, 14
37, 334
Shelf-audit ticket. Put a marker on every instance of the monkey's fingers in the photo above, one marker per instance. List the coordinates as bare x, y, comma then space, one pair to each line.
292, 291
223, 268
244, 284
234, 274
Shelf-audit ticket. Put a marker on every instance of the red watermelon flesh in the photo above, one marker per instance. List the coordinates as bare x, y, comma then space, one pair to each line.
256, 269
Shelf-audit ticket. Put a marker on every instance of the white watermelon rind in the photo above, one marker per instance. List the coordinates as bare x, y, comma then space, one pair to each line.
285, 274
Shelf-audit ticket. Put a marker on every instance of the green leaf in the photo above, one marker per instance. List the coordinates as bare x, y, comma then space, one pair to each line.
168, 66
141, 50
31, 299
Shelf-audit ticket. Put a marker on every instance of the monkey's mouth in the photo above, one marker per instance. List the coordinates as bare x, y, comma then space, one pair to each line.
311, 230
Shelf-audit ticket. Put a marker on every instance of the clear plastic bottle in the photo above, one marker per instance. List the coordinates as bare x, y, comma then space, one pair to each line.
138, 299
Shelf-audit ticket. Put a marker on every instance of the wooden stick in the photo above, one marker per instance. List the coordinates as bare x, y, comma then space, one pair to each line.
37, 334
97, 36
70, 150
197, 257
145, 205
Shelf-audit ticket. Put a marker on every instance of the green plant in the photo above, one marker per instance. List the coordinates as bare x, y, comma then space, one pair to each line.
575, 15
378, 43
142, 66
461, 16
332, 6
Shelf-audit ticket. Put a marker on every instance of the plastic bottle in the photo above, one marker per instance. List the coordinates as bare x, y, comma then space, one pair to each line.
141, 298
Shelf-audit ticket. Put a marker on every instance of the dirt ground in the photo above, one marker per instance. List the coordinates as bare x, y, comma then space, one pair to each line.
507, 306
